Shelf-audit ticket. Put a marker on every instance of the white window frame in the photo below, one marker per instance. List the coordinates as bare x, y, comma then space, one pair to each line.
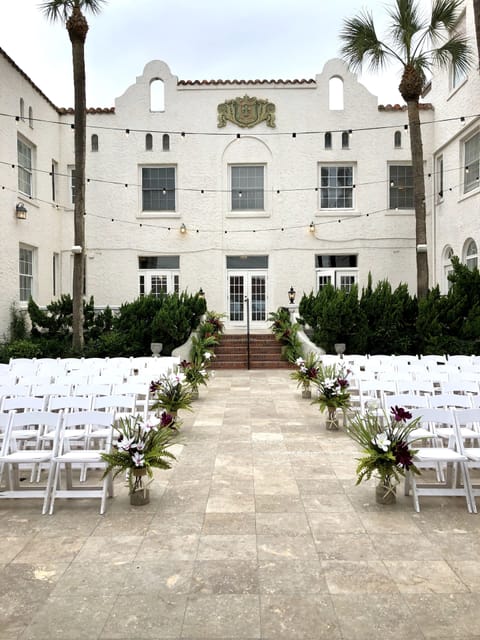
26, 273
240, 187
447, 267
471, 163
330, 185
394, 183
71, 183
167, 190
170, 278
26, 163
470, 254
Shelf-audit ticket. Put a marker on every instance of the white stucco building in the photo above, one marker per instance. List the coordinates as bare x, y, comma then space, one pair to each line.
287, 183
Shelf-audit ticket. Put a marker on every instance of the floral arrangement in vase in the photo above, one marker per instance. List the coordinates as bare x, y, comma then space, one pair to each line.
171, 392
387, 449
138, 448
306, 373
333, 392
195, 372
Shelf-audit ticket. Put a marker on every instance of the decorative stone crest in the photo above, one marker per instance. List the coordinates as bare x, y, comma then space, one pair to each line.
246, 112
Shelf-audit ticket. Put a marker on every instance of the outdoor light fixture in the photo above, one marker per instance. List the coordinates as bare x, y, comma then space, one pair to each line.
183, 228
201, 293
76, 249
421, 248
21, 211
311, 228
291, 295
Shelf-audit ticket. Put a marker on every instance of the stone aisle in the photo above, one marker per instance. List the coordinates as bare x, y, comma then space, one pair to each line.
259, 532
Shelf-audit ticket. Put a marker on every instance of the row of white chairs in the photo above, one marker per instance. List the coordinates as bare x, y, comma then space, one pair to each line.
53, 368
125, 396
41, 440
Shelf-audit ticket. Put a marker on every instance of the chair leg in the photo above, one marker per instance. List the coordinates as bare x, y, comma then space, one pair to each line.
54, 487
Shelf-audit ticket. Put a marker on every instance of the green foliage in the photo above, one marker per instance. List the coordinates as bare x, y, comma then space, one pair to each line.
335, 316
306, 371
134, 322
286, 333
390, 317
171, 393
178, 316
451, 323
333, 387
18, 323
21, 349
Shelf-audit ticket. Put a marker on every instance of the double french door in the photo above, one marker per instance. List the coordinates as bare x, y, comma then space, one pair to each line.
247, 297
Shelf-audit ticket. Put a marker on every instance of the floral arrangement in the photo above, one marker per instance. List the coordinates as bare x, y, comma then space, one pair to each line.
139, 448
333, 385
306, 372
195, 372
171, 392
386, 444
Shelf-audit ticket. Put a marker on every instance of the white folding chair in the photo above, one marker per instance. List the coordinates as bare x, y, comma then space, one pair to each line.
460, 385
23, 403
141, 391
14, 457
450, 401
89, 456
87, 389
447, 458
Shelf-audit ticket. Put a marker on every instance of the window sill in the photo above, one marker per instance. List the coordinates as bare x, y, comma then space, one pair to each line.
455, 90
147, 215
400, 212
248, 213
469, 194
337, 212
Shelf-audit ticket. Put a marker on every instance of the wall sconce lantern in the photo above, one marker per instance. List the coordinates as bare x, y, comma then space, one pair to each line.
311, 227
201, 293
21, 211
291, 295
183, 229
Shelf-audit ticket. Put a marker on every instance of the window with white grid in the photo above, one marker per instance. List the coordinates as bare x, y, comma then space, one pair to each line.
25, 167
336, 187
248, 184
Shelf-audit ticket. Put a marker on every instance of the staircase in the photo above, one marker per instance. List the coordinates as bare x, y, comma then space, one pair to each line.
265, 352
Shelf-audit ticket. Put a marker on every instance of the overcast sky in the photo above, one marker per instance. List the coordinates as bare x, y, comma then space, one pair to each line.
243, 39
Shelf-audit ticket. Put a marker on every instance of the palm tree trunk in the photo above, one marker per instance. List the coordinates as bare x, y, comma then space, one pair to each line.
77, 30
419, 196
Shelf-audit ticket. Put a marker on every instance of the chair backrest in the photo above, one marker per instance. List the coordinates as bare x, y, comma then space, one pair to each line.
52, 389
450, 400
37, 422
23, 403
87, 389
115, 403
470, 417
459, 385
434, 417
91, 420
406, 400
69, 403
13, 390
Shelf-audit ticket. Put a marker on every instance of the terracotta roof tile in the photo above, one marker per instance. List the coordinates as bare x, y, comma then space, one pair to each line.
242, 82
423, 106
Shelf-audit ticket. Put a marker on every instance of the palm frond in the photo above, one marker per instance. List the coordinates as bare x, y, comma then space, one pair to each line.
406, 27
361, 42
445, 14
61, 9
455, 52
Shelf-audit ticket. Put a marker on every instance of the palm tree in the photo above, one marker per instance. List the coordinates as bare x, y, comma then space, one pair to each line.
418, 44
70, 13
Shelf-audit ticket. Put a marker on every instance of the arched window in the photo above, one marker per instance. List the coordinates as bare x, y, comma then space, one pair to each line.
148, 142
30, 117
345, 140
22, 109
335, 94
94, 142
397, 139
471, 254
166, 142
447, 267
328, 140
157, 95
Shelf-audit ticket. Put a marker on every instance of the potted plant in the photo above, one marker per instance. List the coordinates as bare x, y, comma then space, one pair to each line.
387, 450
139, 448
306, 373
333, 392
195, 374
171, 392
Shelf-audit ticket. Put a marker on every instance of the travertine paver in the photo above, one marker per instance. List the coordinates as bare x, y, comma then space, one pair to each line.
258, 532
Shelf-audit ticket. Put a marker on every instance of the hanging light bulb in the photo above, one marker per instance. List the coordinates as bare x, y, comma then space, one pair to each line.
183, 228
311, 227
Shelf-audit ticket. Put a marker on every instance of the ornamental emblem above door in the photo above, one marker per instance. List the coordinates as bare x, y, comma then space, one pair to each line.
246, 112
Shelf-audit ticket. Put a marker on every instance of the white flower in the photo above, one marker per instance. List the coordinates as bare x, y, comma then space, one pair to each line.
207, 355
138, 459
329, 383
125, 444
382, 441
140, 446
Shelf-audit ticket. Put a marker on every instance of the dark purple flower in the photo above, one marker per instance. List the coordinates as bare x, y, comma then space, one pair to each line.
166, 419
403, 456
400, 414
342, 383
